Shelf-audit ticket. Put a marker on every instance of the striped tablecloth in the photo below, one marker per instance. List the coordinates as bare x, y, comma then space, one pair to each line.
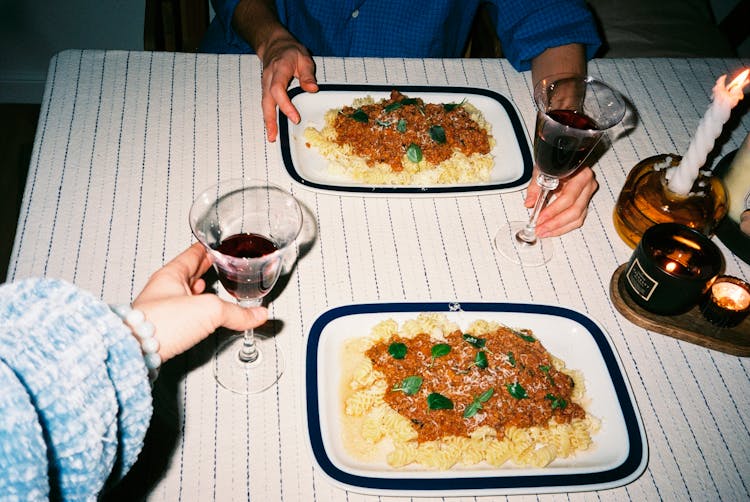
127, 139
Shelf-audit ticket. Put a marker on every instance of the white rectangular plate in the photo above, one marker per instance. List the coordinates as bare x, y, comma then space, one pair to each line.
307, 167
620, 450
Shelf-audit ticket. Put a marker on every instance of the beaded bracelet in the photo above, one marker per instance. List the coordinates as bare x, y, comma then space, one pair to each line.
144, 331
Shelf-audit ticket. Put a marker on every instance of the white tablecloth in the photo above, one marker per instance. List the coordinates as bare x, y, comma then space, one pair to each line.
126, 140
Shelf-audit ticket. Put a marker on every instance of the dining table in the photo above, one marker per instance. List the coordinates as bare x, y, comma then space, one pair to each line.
125, 142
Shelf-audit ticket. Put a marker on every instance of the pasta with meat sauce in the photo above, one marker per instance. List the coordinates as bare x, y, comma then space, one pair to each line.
428, 393
403, 140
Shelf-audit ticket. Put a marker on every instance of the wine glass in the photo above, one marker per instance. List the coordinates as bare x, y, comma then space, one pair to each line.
247, 226
573, 113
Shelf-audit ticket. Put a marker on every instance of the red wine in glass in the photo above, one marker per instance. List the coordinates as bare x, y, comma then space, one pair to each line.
243, 285
573, 113
558, 155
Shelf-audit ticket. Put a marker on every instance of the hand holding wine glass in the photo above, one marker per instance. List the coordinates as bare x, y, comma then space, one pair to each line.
247, 226
172, 300
573, 113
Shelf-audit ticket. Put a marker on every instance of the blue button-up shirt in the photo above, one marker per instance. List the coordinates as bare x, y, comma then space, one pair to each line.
435, 28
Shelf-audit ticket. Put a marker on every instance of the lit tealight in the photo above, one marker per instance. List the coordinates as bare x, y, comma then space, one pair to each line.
727, 302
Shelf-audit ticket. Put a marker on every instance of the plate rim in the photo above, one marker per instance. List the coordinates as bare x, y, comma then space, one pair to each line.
412, 190
627, 471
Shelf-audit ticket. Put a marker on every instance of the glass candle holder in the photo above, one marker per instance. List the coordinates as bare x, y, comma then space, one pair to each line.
645, 200
671, 268
727, 302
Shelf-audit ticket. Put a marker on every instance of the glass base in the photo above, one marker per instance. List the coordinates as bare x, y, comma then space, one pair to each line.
248, 377
520, 252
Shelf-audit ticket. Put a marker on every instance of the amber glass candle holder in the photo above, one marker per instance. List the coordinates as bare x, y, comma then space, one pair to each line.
645, 200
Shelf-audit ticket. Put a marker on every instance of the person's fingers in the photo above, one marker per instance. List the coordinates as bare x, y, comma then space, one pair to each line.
181, 276
198, 286
745, 222
182, 322
565, 222
277, 74
306, 74
239, 318
268, 105
278, 91
532, 192
568, 210
191, 263
276, 78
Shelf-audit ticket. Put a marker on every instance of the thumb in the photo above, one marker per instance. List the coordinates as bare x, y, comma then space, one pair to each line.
182, 322
237, 318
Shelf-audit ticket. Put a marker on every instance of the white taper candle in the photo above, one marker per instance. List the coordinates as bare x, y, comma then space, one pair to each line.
681, 177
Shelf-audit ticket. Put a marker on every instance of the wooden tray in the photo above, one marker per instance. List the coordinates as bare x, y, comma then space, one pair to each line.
691, 326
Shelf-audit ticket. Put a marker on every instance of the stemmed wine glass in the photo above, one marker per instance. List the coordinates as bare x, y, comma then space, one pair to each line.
573, 113
248, 226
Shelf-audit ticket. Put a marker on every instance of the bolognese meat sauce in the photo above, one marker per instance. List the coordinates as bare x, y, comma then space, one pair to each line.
401, 127
454, 386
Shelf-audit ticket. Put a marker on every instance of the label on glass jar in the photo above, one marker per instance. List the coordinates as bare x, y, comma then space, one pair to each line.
642, 283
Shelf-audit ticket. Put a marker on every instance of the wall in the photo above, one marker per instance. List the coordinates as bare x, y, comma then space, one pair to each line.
32, 31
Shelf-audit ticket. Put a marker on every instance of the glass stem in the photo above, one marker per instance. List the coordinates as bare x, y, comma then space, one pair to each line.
546, 184
249, 352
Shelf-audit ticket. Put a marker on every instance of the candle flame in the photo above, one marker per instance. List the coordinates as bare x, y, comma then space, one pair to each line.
730, 296
739, 81
670, 266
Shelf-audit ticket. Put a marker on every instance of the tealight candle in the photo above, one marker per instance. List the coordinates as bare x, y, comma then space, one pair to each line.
671, 268
727, 302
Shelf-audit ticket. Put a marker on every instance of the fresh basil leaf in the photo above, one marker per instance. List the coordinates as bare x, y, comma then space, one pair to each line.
545, 369
557, 402
484, 396
475, 406
393, 106
409, 101
437, 401
409, 385
440, 350
511, 359
401, 126
472, 409
397, 350
360, 116
414, 153
476, 342
516, 390
525, 337
437, 133
449, 107
481, 359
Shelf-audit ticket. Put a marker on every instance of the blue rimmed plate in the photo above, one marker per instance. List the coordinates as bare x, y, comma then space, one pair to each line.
513, 162
619, 454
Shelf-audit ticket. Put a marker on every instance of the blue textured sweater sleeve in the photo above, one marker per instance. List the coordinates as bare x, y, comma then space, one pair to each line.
75, 402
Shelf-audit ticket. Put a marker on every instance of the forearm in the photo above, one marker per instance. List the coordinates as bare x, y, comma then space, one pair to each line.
569, 58
85, 372
258, 23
